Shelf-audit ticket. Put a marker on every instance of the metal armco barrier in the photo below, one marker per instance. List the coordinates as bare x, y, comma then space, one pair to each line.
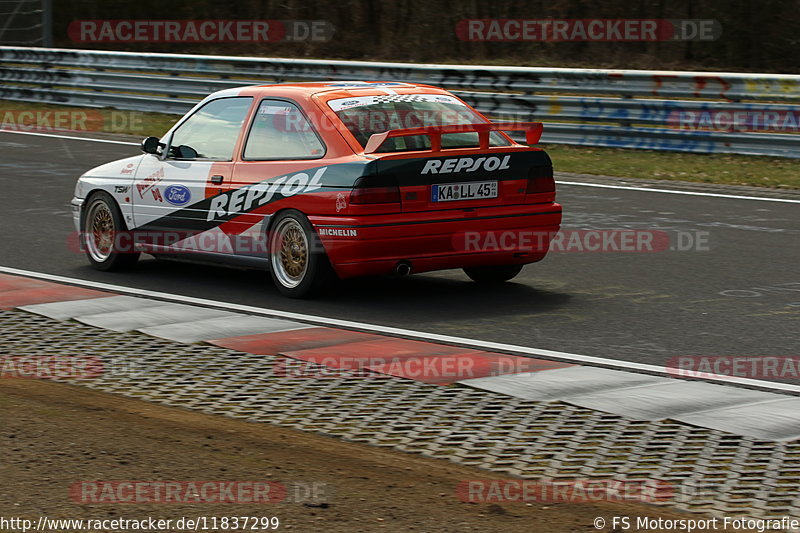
614, 108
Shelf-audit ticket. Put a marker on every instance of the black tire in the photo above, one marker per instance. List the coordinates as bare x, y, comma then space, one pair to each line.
493, 274
101, 223
299, 266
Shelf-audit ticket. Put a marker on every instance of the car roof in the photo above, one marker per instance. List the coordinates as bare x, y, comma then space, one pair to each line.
354, 87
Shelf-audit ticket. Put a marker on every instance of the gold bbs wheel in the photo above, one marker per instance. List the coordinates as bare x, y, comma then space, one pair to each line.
102, 227
99, 230
290, 252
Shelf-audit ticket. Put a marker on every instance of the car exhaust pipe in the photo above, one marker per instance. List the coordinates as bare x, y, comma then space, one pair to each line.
403, 268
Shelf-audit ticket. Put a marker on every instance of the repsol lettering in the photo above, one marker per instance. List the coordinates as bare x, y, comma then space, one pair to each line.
465, 164
247, 198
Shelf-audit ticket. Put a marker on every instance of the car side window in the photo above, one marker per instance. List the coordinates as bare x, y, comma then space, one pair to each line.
211, 132
281, 131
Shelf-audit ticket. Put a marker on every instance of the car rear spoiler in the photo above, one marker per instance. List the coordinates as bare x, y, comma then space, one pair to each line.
533, 132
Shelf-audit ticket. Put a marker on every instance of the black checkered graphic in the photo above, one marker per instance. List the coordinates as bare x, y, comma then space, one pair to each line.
400, 98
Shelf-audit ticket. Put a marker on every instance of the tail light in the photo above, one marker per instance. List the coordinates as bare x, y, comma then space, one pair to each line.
375, 190
540, 179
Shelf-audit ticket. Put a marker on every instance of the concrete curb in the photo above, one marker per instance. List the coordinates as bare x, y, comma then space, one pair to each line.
761, 415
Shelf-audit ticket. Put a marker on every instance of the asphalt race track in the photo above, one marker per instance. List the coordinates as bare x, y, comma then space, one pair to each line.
739, 297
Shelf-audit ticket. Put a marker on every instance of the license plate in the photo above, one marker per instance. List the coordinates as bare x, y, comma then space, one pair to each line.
463, 191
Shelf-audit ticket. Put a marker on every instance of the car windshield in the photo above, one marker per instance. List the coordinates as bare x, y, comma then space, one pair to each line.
365, 116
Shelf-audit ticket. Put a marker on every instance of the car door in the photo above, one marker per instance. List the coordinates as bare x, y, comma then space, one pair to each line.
170, 190
281, 146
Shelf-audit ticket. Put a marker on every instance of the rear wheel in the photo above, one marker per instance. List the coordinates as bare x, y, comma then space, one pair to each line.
493, 273
299, 265
102, 224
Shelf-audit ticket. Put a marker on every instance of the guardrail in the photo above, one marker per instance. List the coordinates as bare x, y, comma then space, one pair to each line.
615, 108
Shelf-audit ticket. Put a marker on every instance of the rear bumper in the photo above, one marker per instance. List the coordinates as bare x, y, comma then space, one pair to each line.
438, 240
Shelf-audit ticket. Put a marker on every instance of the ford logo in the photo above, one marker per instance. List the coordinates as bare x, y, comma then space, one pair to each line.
177, 194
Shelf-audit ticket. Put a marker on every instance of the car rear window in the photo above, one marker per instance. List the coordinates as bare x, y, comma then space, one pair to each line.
365, 116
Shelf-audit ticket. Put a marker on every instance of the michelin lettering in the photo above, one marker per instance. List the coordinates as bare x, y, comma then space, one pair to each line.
336, 232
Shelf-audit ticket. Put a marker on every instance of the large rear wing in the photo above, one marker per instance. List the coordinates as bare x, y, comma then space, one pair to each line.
533, 132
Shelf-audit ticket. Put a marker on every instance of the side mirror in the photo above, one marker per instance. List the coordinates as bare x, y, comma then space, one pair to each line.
183, 152
150, 145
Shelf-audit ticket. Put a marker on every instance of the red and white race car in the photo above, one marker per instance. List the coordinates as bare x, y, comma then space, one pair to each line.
318, 180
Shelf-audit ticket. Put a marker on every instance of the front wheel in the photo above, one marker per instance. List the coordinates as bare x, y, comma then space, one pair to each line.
299, 265
102, 225
493, 273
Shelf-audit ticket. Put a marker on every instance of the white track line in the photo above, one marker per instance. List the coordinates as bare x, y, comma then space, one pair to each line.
71, 137
578, 183
673, 191
397, 332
